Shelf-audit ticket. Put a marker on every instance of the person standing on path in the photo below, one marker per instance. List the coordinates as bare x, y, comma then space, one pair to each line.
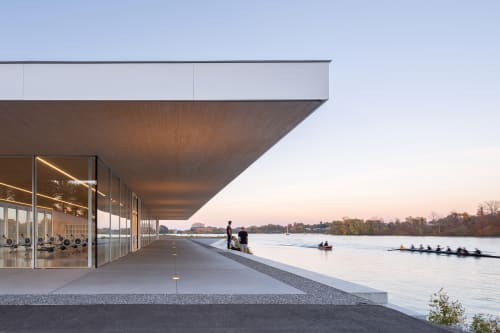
243, 236
229, 233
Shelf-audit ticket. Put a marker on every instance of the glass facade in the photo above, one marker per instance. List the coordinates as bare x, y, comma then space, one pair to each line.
125, 212
66, 185
115, 218
103, 214
16, 212
148, 228
67, 212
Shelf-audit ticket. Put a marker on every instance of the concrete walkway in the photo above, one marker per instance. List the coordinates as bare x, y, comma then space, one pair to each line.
205, 276
148, 271
216, 291
151, 271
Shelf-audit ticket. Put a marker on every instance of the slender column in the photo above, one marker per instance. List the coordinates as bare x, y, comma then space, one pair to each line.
6, 220
157, 228
17, 224
131, 221
94, 240
110, 199
90, 211
139, 224
45, 228
120, 254
34, 218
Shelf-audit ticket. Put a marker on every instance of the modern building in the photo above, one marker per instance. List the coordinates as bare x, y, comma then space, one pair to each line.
94, 154
201, 227
197, 226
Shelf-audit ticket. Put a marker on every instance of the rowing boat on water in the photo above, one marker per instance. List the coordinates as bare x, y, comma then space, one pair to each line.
470, 254
325, 247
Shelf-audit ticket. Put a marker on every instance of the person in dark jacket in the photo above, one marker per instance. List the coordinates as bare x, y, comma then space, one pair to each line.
243, 236
229, 233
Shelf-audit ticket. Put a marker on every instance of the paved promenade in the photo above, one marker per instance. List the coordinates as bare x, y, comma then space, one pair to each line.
215, 291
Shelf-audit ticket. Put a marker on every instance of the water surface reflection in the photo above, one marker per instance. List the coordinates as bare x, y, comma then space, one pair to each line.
409, 278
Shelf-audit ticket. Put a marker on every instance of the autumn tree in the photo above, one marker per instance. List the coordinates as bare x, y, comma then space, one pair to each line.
492, 207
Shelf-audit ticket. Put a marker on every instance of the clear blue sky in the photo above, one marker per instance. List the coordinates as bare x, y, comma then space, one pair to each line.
412, 126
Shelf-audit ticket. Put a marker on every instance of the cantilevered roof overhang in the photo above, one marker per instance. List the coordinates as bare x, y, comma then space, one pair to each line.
175, 132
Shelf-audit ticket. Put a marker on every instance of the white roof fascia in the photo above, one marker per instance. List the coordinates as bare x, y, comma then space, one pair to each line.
165, 81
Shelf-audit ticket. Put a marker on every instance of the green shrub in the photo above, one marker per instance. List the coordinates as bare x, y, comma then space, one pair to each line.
445, 311
485, 324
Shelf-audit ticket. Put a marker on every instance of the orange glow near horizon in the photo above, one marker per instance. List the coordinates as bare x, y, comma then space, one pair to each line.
418, 186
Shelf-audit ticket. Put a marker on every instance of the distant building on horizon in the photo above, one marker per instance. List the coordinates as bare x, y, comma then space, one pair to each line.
197, 226
200, 227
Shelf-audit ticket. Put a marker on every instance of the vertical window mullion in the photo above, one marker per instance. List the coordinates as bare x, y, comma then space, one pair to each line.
34, 212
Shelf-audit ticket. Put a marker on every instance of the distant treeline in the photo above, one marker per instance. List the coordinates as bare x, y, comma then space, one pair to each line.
455, 224
485, 223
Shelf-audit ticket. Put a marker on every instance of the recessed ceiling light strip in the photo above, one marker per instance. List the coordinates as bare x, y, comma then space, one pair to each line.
24, 204
42, 195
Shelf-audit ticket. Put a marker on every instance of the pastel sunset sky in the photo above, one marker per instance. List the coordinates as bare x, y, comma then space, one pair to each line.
413, 121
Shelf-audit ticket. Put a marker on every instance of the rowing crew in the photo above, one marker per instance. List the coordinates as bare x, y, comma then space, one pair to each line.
460, 250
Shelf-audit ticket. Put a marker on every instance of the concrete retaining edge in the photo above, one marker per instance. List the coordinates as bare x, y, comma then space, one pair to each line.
374, 295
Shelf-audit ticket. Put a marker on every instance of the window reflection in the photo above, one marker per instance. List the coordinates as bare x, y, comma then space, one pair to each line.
103, 214
63, 184
15, 212
82, 217
115, 218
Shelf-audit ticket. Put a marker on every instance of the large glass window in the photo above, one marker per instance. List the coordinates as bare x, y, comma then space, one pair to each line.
124, 220
84, 214
103, 214
12, 226
44, 220
16, 211
115, 218
2, 223
135, 223
64, 185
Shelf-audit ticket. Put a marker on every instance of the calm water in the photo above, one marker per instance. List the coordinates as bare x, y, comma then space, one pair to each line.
409, 278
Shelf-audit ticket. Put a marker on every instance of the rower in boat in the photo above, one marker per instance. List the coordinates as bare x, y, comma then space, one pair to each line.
324, 246
401, 247
461, 252
429, 248
421, 247
412, 247
438, 248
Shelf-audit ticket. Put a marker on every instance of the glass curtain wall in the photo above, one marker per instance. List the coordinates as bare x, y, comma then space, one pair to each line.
152, 229
16, 216
103, 214
148, 228
143, 229
135, 223
115, 214
125, 211
115, 218
62, 195
66, 185
85, 215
